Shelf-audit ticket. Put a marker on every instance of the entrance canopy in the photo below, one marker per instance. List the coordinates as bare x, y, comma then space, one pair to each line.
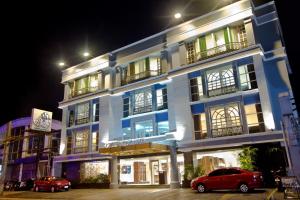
135, 149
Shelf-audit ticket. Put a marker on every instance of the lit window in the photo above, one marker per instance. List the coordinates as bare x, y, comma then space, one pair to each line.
161, 99
200, 126
142, 101
247, 77
81, 141
93, 82
196, 88
94, 141
96, 112
82, 116
163, 127
254, 118
220, 81
154, 66
225, 121
144, 129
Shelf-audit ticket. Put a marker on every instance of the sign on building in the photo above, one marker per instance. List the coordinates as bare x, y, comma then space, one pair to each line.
41, 120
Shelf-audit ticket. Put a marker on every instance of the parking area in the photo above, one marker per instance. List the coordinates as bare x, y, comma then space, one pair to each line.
140, 194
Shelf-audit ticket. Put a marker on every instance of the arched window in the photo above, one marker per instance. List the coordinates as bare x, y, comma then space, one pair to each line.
226, 120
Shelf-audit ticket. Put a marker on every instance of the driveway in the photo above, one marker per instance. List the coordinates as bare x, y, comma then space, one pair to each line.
138, 194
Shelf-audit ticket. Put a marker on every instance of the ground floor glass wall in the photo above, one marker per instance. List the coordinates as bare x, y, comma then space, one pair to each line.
148, 170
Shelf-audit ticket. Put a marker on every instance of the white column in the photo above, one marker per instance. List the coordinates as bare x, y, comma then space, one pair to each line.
249, 32
114, 183
21, 172
264, 95
182, 53
174, 168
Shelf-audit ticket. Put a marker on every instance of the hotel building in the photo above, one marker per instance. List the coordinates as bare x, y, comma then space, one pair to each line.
194, 94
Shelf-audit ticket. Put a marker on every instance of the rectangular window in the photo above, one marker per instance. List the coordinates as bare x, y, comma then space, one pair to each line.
220, 81
254, 118
81, 86
200, 128
81, 141
71, 118
155, 67
93, 82
247, 77
95, 112
161, 99
162, 127
82, 115
94, 141
196, 88
127, 133
190, 52
144, 129
126, 106
225, 120
142, 101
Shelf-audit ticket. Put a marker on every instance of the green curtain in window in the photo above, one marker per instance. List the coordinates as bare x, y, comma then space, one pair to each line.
131, 68
226, 38
202, 44
147, 63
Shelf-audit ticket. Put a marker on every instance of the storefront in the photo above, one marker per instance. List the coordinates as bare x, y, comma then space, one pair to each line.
154, 170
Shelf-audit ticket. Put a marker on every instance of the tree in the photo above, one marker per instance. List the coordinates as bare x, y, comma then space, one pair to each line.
247, 158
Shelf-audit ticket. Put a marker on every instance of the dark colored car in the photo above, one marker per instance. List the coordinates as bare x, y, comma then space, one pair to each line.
228, 178
51, 183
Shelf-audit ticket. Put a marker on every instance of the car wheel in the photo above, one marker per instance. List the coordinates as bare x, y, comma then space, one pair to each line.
244, 188
201, 188
52, 189
67, 189
36, 189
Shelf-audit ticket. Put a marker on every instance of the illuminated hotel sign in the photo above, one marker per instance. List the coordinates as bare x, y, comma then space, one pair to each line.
41, 120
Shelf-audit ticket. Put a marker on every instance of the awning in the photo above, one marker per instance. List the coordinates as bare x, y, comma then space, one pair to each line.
135, 149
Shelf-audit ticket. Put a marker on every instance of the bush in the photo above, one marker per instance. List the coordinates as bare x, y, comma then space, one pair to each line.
247, 158
191, 172
101, 178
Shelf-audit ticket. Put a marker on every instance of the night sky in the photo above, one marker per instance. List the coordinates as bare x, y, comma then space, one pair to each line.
37, 34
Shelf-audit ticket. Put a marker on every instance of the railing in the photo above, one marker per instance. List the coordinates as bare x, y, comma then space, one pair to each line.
222, 90
147, 108
82, 121
227, 131
80, 149
225, 48
82, 91
140, 76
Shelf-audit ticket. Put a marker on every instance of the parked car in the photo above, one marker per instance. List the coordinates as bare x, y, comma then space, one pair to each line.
228, 178
51, 183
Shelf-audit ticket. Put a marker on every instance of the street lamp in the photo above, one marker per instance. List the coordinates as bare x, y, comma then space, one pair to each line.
177, 15
86, 54
61, 64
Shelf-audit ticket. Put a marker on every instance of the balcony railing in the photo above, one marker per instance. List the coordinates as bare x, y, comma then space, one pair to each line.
80, 149
137, 110
140, 76
227, 131
82, 91
82, 121
222, 49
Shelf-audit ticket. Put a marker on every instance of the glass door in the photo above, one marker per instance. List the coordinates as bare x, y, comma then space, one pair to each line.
155, 172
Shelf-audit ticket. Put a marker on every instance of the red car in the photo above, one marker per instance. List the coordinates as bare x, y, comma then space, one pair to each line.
51, 183
228, 178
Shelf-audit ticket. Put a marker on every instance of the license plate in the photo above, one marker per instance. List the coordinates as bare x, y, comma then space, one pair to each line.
66, 186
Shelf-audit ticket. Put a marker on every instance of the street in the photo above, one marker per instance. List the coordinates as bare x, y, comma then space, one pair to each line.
141, 194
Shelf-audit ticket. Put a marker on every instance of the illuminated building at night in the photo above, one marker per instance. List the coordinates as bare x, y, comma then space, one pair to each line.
194, 94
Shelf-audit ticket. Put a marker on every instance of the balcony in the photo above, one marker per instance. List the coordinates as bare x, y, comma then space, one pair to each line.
140, 76
218, 50
82, 91
80, 149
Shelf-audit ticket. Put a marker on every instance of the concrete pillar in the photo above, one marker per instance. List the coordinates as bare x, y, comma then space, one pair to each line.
100, 80
164, 62
182, 53
25, 144
63, 140
114, 183
174, 168
249, 31
21, 172
264, 95
67, 91
291, 134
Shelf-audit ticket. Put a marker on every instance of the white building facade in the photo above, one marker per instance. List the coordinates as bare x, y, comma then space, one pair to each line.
192, 94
